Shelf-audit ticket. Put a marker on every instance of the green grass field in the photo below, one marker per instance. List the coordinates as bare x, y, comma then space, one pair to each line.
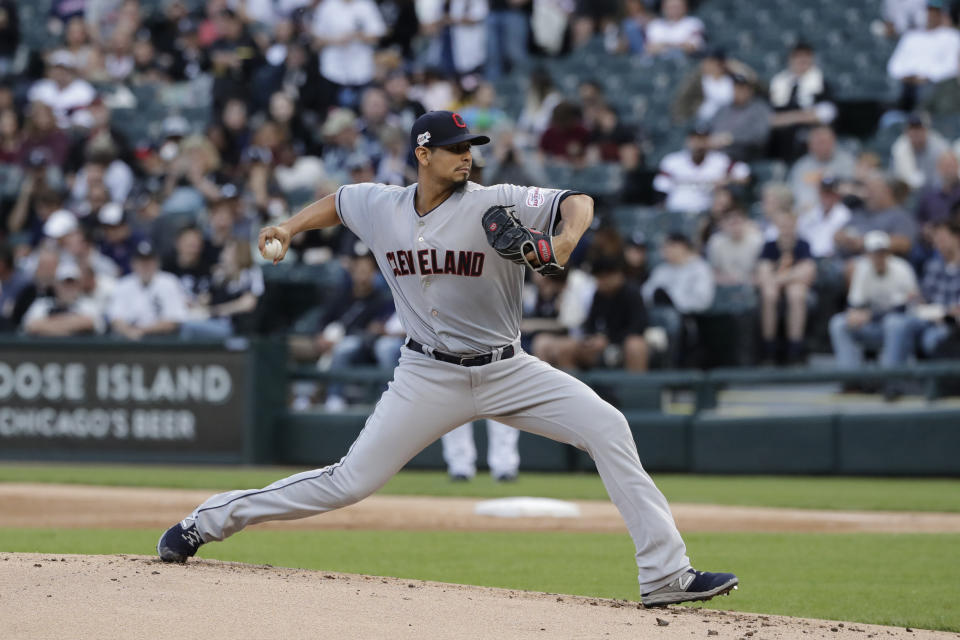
897, 494
905, 580
902, 580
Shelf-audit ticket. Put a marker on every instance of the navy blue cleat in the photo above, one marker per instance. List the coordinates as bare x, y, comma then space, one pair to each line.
691, 586
180, 542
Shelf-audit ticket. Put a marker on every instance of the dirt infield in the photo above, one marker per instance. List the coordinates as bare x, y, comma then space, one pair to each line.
134, 597
76, 506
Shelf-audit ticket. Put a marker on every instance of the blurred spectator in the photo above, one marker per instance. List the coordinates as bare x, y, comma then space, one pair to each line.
819, 225
45, 261
11, 137
34, 206
742, 128
634, 25
541, 99
148, 301
117, 240
707, 89
689, 177
191, 261
235, 289
76, 40
510, 163
404, 109
941, 195
679, 286
611, 140
67, 312
468, 34
901, 16
9, 36
548, 24
823, 158
675, 32
733, 251
345, 31
775, 198
552, 309
882, 285
914, 155
342, 133
785, 274
12, 283
102, 167
75, 245
223, 218
45, 145
347, 331
374, 112
800, 97
614, 327
592, 17
566, 138
97, 133
507, 27
880, 213
926, 56
234, 57
65, 93
236, 125
934, 318
481, 113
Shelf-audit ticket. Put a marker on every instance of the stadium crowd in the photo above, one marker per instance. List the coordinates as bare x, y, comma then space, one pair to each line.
116, 220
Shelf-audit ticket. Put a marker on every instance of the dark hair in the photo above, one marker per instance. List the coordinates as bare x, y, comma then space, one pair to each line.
6, 256
604, 264
802, 47
189, 227
679, 237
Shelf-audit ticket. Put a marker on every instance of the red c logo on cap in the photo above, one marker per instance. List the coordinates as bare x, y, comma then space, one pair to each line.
457, 120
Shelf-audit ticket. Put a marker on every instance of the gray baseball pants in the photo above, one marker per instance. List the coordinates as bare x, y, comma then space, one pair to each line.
428, 398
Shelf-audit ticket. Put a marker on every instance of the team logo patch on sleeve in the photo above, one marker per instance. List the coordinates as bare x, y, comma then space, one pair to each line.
535, 197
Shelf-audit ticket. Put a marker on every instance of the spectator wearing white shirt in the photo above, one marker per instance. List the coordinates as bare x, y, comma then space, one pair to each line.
925, 57
914, 155
68, 312
148, 301
63, 91
689, 177
468, 34
346, 31
675, 32
882, 284
820, 224
733, 251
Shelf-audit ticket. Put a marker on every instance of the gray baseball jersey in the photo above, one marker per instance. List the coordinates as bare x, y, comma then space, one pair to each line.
455, 294
452, 291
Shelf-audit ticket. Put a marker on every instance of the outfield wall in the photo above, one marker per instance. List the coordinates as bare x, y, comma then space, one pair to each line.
167, 401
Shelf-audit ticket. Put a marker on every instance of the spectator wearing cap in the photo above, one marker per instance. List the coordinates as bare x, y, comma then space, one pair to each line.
924, 57
733, 251
674, 32
614, 327
742, 128
74, 244
785, 273
707, 89
67, 312
62, 91
345, 32
823, 158
881, 212
689, 177
881, 287
678, 287
913, 157
342, 133
148, 301
800, 97
117, 240
820, 224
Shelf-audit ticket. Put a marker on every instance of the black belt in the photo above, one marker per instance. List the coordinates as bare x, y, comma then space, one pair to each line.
464, 361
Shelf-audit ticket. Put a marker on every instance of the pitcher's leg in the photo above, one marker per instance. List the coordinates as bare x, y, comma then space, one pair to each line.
460, 452
562, 408
502, 455
419, 406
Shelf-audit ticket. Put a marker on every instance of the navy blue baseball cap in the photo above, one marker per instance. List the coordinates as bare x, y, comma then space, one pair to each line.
442, 128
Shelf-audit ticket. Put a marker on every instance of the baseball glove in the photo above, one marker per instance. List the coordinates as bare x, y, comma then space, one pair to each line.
515, 242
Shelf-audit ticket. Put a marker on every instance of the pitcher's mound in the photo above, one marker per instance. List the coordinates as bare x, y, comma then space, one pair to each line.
132, 597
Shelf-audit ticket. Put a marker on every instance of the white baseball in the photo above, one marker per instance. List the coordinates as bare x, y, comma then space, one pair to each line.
272, 249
